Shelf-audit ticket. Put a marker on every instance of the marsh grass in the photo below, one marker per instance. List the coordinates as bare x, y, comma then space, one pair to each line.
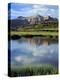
29, 70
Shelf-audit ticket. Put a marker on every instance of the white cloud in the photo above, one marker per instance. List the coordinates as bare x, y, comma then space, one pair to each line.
34, 10
41, 51
25, 59
52, 10
18, 58
35, 6
16, 13
39, 9
37, 52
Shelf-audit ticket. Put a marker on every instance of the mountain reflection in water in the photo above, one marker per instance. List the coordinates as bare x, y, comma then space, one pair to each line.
28, 51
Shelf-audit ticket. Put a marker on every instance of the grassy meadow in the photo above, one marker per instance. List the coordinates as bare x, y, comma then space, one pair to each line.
33, 69
37, 29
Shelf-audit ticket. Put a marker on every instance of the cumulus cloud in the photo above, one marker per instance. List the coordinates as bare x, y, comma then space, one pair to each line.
35, 6
37, 9
34, 10
41, 51
18, 58
35, 52
25, 59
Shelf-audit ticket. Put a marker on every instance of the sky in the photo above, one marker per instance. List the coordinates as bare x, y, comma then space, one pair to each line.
20, 9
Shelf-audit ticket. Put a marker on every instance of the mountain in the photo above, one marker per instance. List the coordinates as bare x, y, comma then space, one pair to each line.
23, 21
19, 21
34, 19
49, 18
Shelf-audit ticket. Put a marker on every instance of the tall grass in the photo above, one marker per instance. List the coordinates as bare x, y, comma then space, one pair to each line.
34, 70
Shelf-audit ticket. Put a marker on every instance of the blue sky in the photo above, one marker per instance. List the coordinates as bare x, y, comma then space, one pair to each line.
19, 9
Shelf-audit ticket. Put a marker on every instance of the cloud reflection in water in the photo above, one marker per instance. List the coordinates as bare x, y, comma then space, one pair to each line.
25, 52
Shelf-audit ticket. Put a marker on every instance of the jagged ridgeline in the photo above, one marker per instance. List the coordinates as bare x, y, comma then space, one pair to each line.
36, 21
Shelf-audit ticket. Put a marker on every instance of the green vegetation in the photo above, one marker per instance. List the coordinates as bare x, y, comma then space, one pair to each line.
43, 33
43, 29
29, 70
39, 26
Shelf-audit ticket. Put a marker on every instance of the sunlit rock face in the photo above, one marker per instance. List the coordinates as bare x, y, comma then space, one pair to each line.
30, 20
34, 19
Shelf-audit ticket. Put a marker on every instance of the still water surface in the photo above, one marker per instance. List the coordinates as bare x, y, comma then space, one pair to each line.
25, 52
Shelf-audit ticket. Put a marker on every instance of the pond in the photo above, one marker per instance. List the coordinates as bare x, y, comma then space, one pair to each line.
31, 51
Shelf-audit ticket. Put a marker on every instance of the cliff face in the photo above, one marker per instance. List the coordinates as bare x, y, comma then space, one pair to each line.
22, 21
34, 19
